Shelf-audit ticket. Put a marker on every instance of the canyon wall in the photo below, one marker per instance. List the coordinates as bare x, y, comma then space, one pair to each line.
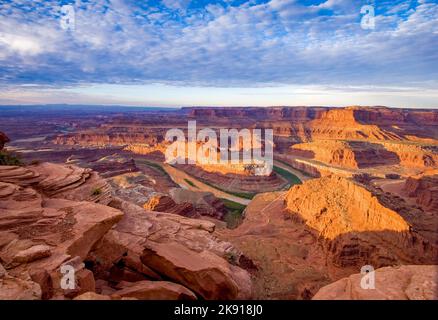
356, 226
424, 188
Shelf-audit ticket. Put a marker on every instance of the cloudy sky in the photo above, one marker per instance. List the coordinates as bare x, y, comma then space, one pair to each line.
219, 52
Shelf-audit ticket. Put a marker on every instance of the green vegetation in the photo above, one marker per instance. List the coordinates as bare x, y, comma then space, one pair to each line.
96, 192
191, 183
244, 195
289, 166
290, 177
155, 166
8, 159
234, 216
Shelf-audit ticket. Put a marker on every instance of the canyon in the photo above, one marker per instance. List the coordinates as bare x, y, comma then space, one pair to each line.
350, 187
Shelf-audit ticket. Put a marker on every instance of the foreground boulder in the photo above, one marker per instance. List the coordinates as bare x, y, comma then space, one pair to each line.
154, 290
147, 245
51, 220
13, 288
40, 232
208, 275
412, 282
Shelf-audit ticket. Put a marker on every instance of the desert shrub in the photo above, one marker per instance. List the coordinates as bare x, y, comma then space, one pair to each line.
190, 183
234, 215
96, 192
8, 159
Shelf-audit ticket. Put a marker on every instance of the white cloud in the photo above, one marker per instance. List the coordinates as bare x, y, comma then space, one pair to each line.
281, 41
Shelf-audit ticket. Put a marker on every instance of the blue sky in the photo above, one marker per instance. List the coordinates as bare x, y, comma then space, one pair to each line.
224, 52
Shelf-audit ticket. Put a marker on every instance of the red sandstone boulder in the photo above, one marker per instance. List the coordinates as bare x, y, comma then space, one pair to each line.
40, 233
208, 275
123, 248
92, 296
14, 288
411, 282
154, 290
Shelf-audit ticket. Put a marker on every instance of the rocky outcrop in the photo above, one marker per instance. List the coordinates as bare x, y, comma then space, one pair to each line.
110, 168
88, 296
188, 203
342, 123
424, 188
46, 226
164, 203
377, 123
59, 181
237, 182
205, 273
348, 154
40, 231
106, 138
285, 258
13, 288
412, 155
3, 140
154, 290
161, 203
410, 282
204, 203
356, 226
148, 245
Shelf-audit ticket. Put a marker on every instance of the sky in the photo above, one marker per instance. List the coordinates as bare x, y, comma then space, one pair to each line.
220, 52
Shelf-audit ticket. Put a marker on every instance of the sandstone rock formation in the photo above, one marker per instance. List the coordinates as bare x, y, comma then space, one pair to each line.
164, 203
105, 137
49, 220
39, 234
13, 288
377, 123
204, 203
147, 245
358, 227
292, 243
205, 273
67, 182
409, 282
344, 124
348, 153
424, 188
154, 290
413, 155
286, 259
237, 182
3, 140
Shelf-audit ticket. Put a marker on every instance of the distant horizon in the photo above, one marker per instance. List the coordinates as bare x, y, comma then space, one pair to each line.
207, 106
